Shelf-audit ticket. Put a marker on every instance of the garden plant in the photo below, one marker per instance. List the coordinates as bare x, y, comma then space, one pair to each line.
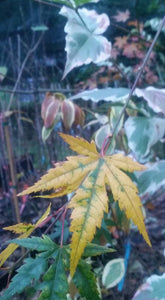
103, 178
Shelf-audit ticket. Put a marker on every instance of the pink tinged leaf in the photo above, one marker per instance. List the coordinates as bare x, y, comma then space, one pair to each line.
130, 50
84, 44
68, 113
79, 116
155, 98
50, 110
122, 16
48, 99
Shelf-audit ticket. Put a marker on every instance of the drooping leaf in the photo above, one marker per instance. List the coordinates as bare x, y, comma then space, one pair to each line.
107, 94
79, 116
84, 42
154, 97
85, 281
88, 174
50, 108
113, 272
149, 181
68, 113
31, 270
55, 285
26, 230
143, 133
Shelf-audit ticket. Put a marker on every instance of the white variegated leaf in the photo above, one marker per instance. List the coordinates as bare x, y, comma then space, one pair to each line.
143, 133
152, 179
154, 97
106, 94
84, 43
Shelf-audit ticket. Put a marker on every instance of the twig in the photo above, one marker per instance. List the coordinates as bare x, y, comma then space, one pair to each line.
22, 68
135, 83
63, 222
39, 91
47, 3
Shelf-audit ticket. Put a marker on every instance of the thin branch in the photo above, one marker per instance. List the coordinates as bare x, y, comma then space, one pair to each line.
63, 223
136, 81
39, 91
47, 3
22, 68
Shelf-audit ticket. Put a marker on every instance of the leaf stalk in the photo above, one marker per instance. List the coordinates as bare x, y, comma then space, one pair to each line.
134, 85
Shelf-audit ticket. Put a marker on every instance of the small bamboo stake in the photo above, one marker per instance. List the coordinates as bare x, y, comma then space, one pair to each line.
12, 170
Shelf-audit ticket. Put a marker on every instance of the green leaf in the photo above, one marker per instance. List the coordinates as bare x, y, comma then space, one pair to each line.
114, 116
107, 94
56, 285
154, 23
85, 281
31, 270
149, 181
39, 28
74, 3
82, 2
46, 132
94, 249
113, 272
101, 134
84, 42
154, 97
153, 289
143, 133
3, 72
37, 243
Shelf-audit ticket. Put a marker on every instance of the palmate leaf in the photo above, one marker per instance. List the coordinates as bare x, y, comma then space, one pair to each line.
55, 280
85, 281
88, 174
31, 270
37, 243
26, 230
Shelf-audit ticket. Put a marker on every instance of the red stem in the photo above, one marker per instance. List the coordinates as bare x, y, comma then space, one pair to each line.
63, 221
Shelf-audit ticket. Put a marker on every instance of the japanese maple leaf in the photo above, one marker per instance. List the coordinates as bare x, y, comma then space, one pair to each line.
122, 16
130, 50
88, 174
120, 41
24, 230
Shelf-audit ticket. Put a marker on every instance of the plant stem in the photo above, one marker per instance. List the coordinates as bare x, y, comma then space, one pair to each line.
135, 83
63, 222
22, 68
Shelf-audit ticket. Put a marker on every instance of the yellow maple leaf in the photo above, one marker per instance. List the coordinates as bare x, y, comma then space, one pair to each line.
26, 230
88, 174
